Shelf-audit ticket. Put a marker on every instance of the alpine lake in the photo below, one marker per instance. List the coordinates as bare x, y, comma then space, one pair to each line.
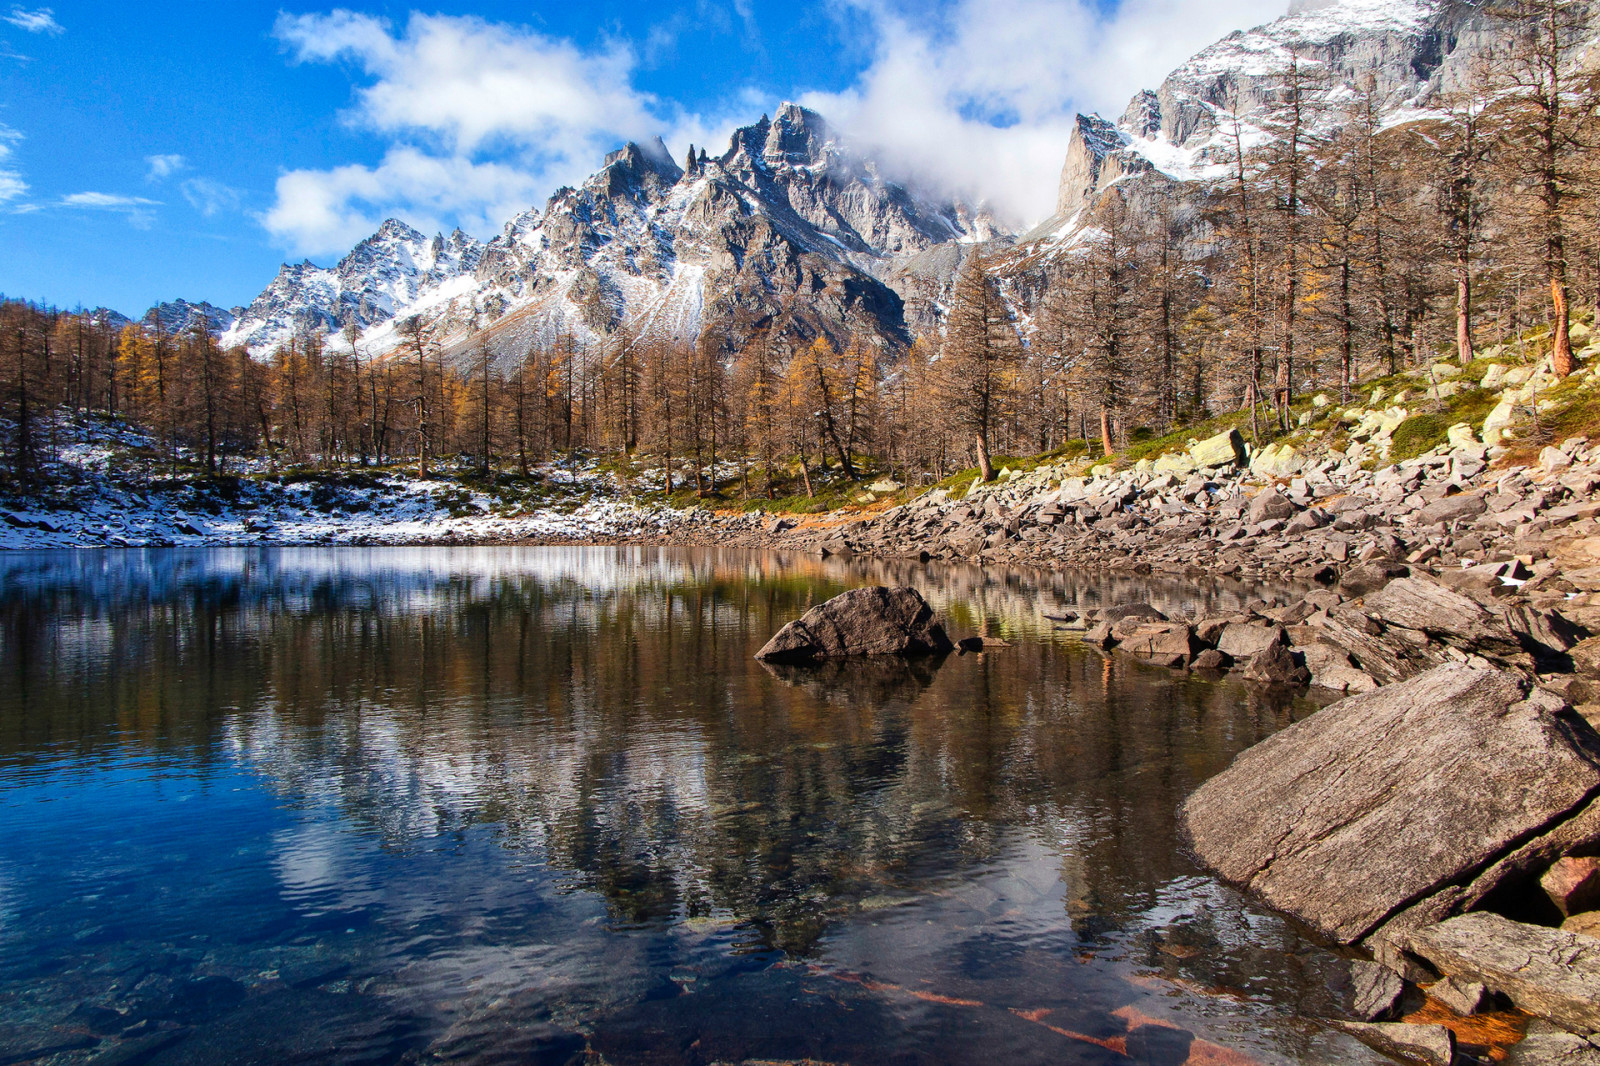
542, 806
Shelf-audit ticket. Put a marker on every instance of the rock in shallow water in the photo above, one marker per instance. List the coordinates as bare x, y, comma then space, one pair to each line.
1382, 798
1548, 972
865, 621
1432, 1044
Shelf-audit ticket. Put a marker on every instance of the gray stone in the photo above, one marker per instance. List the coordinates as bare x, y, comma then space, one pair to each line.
1123, 611
1331, 668
1270, 505
1552, 1048
1243, 641
1444, 614
1163, 643
1374, 991
1306, 521
1549, 972
1348, 815
864, 621
1431, 1044
1275, 665
1464, 997
1369, 578
1451, 509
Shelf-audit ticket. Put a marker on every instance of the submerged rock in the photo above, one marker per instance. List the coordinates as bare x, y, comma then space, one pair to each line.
1385, 797
865, 621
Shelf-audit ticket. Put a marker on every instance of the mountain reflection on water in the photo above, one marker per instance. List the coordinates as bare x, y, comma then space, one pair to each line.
541, 805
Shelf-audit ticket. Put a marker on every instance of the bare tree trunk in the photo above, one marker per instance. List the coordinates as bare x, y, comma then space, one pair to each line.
1463, 312
985, 467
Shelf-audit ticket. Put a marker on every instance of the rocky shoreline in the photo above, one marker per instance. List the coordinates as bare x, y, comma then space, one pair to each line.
1440, 822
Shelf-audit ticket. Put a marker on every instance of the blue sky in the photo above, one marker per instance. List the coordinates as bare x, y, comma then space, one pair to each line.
187, 148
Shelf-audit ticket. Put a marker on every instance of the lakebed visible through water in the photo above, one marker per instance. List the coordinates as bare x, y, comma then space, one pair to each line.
540, 805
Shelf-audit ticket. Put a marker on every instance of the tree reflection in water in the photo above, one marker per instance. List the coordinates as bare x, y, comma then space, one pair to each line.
856, 857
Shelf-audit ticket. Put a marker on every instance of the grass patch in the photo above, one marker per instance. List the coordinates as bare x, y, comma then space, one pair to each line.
1427, 430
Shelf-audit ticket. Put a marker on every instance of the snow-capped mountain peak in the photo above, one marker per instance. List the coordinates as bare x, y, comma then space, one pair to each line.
788, 227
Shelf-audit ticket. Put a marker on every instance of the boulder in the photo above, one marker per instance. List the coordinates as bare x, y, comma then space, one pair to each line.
1369, 577
1451, 509
864, 621
1242, 641
1100, 636
1274, 665
1123, 611
1331, 668
1210, 659
1573, 884
1225, 449
1348, 815
1434, 1045
1270, 505
1163, 643
1549, 972
1546, 635
1375, 991
1587, 923
1444, 614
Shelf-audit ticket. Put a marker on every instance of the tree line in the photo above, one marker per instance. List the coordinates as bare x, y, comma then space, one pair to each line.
1338, 247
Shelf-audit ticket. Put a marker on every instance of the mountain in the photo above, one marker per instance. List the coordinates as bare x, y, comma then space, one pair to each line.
393, 270
1182, 132
181, 316
788, 230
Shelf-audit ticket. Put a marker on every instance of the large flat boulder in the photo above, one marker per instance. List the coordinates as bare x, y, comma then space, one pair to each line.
1376, 801
861, 622
1549, 972
1225, 449
1428, 607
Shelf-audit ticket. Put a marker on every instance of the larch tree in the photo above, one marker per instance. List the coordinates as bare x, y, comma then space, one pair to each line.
978, 360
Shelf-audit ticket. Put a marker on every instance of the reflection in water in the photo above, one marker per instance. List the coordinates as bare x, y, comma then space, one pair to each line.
530, 804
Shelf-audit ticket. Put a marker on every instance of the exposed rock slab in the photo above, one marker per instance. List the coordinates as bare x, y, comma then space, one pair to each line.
1431, 1044
1376, 801
861, 622
1429, 607
1553, 1049
1548, 972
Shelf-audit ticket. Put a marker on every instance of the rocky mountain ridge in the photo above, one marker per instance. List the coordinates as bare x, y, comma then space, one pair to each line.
1183, 132
790, 229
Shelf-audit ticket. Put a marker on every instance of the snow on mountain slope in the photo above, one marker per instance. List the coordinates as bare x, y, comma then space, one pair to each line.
1184, 130
382, 275
181, 316
789, 229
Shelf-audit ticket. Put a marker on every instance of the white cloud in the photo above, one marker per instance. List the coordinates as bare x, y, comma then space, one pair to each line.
136, 208
980, 99
329, 210
975, 98
42, 20
498, 112
163, 166
210, 197
12, 187
106, 201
